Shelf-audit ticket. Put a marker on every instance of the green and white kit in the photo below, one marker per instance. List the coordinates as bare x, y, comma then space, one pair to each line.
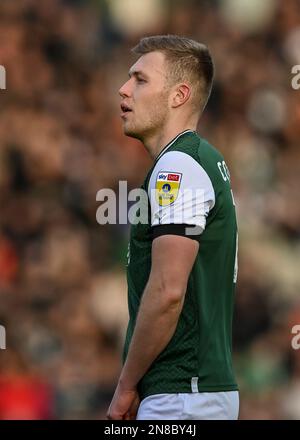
188, 186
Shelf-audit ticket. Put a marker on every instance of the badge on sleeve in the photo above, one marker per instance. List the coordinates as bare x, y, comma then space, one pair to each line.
167, 187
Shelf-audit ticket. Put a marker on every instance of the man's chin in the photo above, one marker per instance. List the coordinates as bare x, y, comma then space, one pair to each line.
132, 133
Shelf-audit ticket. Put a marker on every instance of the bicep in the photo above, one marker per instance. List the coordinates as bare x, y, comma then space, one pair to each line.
173, 257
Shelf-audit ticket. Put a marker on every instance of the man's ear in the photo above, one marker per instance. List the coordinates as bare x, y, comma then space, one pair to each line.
181, 94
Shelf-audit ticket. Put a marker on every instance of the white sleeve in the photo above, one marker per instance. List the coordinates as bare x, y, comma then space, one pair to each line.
180, 191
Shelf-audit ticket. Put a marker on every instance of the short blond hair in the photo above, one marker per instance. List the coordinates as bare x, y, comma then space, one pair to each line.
188, 61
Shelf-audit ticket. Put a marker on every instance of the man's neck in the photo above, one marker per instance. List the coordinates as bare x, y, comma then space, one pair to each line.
158, 142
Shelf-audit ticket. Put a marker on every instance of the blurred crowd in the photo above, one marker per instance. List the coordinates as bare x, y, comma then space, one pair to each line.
62, 275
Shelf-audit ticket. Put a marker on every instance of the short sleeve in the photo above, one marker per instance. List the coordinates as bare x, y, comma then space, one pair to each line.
180, 192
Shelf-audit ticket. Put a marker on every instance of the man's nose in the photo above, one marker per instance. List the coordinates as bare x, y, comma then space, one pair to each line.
124, 91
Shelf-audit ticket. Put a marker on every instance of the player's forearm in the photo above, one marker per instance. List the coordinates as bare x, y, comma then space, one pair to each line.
156, 323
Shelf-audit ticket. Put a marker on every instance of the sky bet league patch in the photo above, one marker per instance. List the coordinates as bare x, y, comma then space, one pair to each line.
167, 187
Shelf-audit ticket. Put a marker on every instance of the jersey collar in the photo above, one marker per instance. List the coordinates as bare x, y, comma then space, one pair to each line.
172, 142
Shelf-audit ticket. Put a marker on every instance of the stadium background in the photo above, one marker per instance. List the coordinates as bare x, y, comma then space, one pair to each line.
62, 285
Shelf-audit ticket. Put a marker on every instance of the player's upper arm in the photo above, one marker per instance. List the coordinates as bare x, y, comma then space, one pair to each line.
173, 257
181, 194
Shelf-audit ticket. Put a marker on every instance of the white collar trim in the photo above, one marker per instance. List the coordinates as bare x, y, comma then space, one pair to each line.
172, 142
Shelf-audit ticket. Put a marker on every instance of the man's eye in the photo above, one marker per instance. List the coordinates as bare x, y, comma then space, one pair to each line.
141, 80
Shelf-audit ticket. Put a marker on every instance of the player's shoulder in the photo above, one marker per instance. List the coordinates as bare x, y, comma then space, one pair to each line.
194, 146
180, 163
191, 155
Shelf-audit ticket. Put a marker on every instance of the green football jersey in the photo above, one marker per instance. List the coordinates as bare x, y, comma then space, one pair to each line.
198, 357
